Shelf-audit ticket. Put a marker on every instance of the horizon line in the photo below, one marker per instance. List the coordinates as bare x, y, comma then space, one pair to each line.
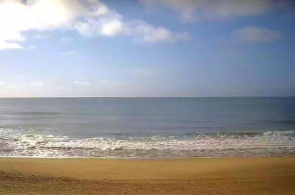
147, 97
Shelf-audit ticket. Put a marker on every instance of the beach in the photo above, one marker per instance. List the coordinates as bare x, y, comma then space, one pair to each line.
152, 176
147, 146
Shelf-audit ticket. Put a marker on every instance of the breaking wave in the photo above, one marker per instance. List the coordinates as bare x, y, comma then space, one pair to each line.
237, 144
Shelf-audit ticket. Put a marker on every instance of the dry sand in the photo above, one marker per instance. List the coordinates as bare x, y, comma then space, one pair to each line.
177, 176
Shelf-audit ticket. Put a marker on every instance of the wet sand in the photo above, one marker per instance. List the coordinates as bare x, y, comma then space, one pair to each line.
171, 176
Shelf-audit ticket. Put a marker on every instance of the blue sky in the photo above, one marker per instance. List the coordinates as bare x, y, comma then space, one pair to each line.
140, 48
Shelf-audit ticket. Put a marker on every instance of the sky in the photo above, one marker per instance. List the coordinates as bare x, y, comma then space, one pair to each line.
139, 48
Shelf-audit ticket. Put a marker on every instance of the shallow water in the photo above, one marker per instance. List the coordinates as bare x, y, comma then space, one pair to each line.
147, 127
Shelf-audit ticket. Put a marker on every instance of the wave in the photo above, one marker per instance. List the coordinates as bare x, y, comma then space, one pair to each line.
232, 144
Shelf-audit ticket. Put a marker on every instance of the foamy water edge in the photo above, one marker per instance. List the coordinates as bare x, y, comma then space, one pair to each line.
238, 144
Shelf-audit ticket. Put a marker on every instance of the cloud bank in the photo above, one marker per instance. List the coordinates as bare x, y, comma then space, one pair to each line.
192, 10
81, 83
88, 17
256, 35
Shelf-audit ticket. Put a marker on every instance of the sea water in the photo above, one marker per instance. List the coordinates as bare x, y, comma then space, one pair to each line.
147, 127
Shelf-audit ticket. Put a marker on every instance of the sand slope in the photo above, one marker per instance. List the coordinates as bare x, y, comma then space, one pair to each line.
177, 176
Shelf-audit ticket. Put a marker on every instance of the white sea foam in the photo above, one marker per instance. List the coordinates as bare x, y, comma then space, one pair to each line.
269, 143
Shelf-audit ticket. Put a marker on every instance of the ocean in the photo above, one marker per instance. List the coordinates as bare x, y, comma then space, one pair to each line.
147, 127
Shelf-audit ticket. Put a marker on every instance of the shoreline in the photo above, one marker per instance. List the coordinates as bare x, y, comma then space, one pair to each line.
138, 158
148, 176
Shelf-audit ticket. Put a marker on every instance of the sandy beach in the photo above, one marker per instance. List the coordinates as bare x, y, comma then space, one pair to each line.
171, 176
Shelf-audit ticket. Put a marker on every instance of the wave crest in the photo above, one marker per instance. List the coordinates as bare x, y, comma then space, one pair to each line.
239, 144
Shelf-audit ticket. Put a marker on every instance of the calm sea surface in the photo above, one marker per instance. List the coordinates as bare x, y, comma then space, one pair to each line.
147, 127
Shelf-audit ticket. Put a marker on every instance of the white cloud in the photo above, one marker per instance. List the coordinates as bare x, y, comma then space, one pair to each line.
17, 16
113, 24
112, 27
8, 45
88, 17
41, 36
69, 53
256, 35
66, 39
32, 47
36, 84
148, 33
82, 83
3, 82
191, 10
